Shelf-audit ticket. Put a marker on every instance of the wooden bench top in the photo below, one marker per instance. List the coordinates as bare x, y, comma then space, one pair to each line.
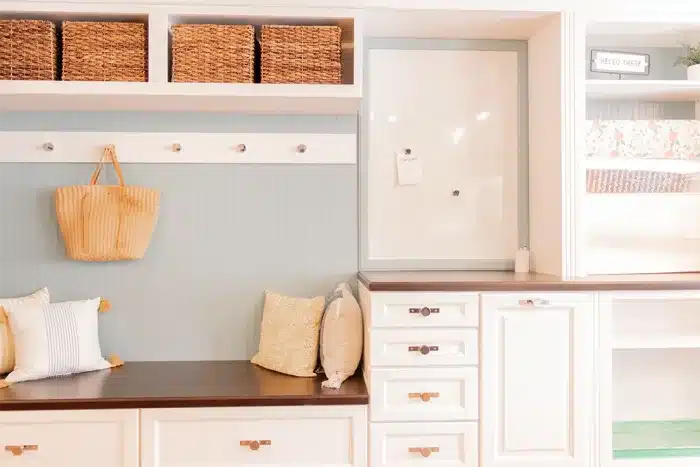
179, 384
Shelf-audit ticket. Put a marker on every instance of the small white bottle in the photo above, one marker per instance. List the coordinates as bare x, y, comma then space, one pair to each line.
522, 260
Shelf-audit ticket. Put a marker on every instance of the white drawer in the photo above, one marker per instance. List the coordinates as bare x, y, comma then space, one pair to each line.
58, 438
251, 436
424, 347
424, 394
425, 310
452, 444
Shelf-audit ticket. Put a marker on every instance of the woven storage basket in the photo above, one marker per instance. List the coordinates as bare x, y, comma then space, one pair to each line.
104, 51
635, 181
27, 50
106, 223
300, 54
212, 53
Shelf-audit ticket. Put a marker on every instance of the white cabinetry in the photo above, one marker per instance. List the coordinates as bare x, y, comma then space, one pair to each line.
537, 379
421, 367
61, 438
208, 437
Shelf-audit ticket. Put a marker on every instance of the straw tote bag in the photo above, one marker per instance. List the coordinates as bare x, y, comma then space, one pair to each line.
106, 222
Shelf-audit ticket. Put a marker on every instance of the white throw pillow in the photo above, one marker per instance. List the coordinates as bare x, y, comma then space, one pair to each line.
7, 347
55, 339
341, 337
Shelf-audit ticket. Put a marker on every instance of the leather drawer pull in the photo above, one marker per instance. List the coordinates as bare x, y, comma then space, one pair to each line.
423, 349
424, 396
533, 302
424, 311
18, 450
425, 452
254, 445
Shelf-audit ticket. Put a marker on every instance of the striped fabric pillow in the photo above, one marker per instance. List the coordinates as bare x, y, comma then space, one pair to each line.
55, 339
7, 346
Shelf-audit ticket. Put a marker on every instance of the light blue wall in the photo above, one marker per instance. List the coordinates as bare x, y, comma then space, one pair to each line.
225, 234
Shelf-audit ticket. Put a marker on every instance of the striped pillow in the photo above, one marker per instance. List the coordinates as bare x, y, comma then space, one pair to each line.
55, 339
7, 347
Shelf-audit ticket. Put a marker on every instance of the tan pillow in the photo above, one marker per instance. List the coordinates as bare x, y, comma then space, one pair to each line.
341, 337
289, 334
7, 346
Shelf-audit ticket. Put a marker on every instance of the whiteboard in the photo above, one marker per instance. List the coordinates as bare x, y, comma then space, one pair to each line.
457, 111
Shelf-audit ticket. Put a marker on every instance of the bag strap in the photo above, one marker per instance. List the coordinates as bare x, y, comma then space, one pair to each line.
111, 153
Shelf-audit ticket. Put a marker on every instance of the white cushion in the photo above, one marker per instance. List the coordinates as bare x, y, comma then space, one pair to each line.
55, 339
7, 348
341, 337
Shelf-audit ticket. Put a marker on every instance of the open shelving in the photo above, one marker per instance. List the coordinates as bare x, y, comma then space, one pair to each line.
641, 129
159, 94
650, 374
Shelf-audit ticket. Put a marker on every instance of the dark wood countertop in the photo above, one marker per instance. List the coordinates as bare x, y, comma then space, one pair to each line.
491, 281
179, 384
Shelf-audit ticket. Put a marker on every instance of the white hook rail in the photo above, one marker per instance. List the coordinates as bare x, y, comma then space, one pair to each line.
195, 148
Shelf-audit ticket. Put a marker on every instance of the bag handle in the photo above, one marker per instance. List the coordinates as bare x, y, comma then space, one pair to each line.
111, 153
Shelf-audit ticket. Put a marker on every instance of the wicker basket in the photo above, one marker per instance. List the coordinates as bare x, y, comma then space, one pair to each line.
300, 54
104, 51
635, 181
212, 53
27, 50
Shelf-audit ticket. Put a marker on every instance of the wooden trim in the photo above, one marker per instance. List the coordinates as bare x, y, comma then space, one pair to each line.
487, 281
140, 385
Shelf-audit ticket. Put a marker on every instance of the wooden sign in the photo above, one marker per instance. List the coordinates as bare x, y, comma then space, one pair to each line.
625, 63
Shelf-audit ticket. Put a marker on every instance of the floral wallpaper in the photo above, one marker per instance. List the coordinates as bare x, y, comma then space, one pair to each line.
649, 139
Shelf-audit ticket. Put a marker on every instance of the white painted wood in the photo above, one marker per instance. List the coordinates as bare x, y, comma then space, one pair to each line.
158, 47
605, 343
538, 379
78, 438
217, 148
433, 103
455, 24
549, 147
457, 442
646, 90
655, 318
449, 310
251, 98
455, 394
396, 347
639, 233
210, 437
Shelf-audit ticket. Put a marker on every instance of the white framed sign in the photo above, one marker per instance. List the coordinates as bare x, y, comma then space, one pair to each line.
603, 61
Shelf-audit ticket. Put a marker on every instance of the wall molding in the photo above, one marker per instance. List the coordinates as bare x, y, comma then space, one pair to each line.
197, 148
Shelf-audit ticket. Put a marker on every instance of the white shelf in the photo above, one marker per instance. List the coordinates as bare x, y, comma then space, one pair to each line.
657, 342
240, 98
648, 90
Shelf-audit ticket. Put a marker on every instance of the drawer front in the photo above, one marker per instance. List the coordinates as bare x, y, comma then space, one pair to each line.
425, 310
426, 444
424, 394
90, 438
214, 437
424, 347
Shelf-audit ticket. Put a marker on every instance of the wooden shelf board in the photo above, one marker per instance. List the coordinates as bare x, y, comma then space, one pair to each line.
656, 342
206, 97
649, 90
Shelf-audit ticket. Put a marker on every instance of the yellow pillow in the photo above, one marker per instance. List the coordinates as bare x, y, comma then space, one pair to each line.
289, 334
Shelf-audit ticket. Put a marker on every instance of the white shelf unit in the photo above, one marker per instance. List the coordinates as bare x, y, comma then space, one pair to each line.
639, 232
649, 370
159, 94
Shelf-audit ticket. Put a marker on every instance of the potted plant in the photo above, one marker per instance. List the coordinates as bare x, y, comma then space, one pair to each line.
691, 59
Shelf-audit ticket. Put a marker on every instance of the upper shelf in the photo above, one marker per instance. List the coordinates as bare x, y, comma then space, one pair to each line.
647, 90
213, 97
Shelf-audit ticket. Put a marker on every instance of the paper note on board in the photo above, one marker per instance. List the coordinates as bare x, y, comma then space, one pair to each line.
409, 168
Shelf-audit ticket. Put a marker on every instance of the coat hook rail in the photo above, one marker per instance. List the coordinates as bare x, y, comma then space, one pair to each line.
201, 148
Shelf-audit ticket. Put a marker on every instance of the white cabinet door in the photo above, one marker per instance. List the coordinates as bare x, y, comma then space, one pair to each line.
69, 438
538, 379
